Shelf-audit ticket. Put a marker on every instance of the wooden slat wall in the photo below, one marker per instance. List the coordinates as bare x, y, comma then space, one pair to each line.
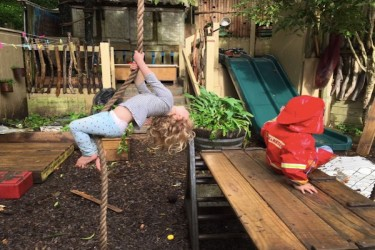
214, 10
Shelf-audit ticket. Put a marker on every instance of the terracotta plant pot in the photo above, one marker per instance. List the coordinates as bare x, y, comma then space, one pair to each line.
6, 87
18, 73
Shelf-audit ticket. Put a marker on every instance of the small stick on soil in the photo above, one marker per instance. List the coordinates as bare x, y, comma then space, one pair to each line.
93, 199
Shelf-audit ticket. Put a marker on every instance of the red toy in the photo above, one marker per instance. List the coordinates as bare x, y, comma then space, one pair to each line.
13, 184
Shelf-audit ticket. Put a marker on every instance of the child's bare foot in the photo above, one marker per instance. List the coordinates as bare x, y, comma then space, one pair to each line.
84, 160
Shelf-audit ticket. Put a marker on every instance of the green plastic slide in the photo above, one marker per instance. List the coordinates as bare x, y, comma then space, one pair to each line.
264, 87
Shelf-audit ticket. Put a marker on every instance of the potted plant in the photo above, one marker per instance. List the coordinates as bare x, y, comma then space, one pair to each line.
219, 121
6, 85
18, 72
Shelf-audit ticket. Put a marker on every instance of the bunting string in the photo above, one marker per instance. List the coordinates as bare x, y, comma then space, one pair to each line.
31, 41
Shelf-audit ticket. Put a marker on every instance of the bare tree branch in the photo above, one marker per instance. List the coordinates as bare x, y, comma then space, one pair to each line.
356, 55
371, 30
362, 47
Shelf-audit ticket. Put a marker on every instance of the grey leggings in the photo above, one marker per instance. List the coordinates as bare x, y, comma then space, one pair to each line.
101, 124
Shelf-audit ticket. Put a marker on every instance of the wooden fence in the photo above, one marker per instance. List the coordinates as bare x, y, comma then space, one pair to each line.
66, 68
214, 10
70, 71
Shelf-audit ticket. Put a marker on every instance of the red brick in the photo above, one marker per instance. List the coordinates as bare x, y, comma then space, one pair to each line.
13, 184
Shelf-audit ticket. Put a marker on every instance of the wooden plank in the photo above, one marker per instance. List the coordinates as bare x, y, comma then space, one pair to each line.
264, 227
60, 47
41, 163
162, 72
342, 193
106, 65
367, 137
309, 228
95, 200
42, 175
39, 146
37, 137
52, 141
112, 66
195, 84
110, 146
341, 218
31, 160
328, 206
347, 197
59, 71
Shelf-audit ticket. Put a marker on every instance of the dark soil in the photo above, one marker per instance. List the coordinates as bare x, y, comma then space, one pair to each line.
150, 188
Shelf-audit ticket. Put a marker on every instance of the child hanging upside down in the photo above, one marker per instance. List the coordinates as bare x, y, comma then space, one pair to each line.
171, 127
290, 144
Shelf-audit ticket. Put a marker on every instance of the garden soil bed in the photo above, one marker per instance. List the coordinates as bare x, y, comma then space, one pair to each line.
149, 187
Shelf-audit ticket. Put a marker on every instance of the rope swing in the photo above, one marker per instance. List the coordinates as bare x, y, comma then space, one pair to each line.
103, 163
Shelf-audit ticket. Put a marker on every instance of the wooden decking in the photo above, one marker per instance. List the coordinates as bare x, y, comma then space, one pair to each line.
40, 154
276, 216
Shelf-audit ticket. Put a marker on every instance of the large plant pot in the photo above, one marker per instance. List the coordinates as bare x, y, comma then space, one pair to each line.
231, 140
18, 73
5, 87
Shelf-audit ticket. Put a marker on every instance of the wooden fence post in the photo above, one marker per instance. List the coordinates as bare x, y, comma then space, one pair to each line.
106, 65
367, 137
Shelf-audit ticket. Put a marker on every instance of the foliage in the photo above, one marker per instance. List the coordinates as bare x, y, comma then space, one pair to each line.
8, 81
97, 108
35, 121
349, 129
218, 114
261, 12
353, 19
342, 17
11, 11
124, 147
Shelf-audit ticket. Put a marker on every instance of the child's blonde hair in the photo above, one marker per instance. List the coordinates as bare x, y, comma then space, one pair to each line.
166, 132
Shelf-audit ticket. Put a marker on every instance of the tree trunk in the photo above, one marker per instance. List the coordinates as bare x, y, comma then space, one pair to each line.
370, 84
338, 78
353, 85
346, 80
360, 84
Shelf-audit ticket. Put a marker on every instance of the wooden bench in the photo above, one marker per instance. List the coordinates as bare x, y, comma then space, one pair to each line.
277, 216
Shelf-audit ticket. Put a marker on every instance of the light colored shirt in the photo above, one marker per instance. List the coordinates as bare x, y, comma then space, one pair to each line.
147, 103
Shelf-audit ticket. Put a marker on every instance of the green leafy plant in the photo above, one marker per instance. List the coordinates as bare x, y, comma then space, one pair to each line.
7, 81
10, 82
219, 115
349, 129
35, 121
124, 147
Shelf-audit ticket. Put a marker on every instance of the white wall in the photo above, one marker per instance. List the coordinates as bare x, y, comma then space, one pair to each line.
12, 105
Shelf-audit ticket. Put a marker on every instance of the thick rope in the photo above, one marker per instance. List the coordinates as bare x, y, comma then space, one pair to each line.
103, 163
